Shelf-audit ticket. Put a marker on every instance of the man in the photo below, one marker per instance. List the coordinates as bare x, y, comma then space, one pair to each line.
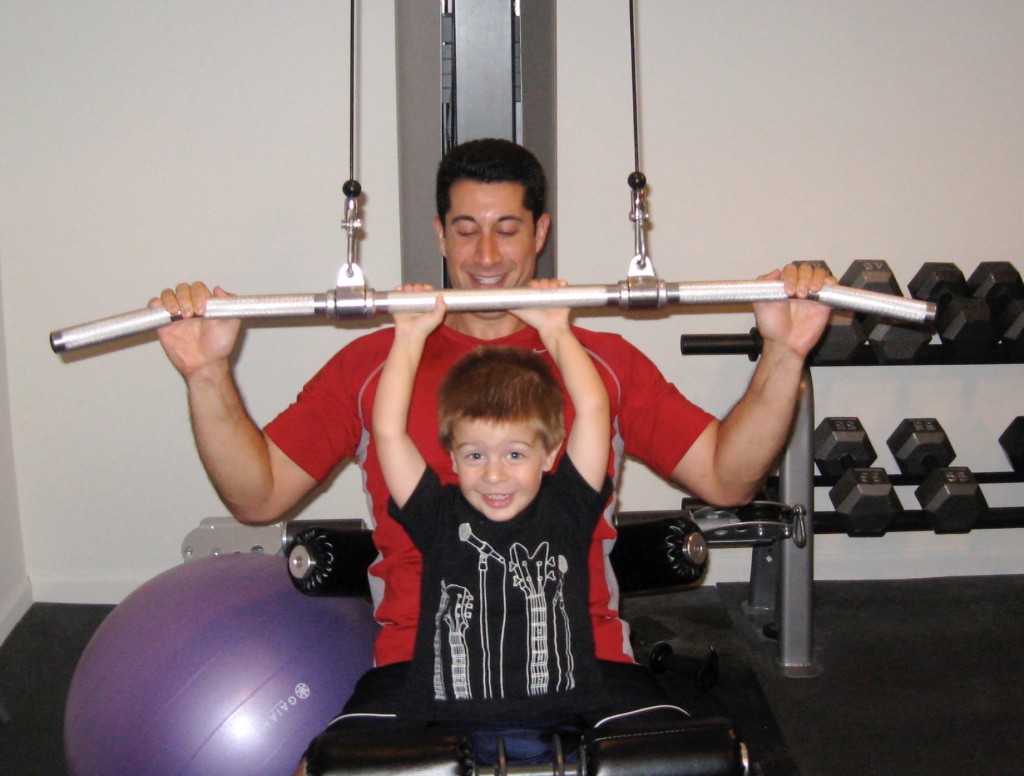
490, 226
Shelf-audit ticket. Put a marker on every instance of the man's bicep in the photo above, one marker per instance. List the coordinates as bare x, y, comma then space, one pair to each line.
291, 481
694, 471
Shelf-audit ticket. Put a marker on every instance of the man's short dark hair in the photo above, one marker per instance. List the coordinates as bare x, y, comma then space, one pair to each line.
492, 160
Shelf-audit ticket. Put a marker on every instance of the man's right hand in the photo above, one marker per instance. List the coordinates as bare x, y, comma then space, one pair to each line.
194, 343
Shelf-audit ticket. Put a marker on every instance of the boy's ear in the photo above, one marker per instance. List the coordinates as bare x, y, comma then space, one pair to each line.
549, 462
455, 464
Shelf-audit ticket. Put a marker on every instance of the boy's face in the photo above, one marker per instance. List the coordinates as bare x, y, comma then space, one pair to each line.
499, 466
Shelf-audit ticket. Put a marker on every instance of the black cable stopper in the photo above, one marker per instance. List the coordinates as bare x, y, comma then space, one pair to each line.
637, 180
351, 188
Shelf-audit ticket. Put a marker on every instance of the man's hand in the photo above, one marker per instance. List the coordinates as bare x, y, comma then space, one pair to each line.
796, 325
195, 343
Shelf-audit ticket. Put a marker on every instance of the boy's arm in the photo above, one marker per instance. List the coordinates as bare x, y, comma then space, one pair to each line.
400, 459
590, 437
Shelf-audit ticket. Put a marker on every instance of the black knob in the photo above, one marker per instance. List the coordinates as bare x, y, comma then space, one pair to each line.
637, 180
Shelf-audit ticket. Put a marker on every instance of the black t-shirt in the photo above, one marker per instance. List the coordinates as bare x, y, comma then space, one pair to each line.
504, 630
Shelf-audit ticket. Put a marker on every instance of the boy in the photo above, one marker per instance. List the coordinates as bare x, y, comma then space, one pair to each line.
504, 632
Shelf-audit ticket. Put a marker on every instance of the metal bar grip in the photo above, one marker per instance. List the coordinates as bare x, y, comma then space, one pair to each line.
856, 300
150, 318
483, 300
365, 302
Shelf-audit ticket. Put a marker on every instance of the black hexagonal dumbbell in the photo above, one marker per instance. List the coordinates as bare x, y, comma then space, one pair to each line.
841, 338
999, 285
892, 342
1012, 325
964, 321
1012, 442
949, 494
863, 495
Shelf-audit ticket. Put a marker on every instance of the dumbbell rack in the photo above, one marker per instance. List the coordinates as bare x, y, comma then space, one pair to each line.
782, 574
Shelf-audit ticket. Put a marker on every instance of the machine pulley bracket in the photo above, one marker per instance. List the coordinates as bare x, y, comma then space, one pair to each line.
755, 524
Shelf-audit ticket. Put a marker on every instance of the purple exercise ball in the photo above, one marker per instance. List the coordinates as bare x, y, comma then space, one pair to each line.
218, 666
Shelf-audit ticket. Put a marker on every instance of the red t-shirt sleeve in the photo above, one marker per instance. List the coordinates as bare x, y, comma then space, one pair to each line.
658, 425
323, 426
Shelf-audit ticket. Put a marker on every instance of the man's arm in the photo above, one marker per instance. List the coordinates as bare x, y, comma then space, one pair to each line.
256, 481
590, 438
728, 462
400, 460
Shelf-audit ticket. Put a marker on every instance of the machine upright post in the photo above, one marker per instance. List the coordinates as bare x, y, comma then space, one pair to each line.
796, 570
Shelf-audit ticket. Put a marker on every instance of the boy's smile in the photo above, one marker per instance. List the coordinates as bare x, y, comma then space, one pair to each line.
499, 466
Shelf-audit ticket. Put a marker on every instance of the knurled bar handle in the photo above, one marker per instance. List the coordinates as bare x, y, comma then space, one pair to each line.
365, 302
151, 318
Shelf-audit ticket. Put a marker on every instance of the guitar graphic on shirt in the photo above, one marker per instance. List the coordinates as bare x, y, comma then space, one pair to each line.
530, 573
442, 607
457, 616
563, 635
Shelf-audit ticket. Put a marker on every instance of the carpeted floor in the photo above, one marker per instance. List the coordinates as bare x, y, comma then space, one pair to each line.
36, 664
918, 677
701, 616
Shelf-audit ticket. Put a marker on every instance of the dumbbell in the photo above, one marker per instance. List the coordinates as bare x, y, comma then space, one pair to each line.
949, 494
999, 285
1012, 442
842, 336
648, 638
892, 342
699, 666
964, 321
863, 494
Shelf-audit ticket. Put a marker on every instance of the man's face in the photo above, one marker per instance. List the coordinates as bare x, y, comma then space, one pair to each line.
488, 237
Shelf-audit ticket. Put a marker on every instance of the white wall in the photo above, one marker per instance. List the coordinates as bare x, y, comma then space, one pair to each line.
145, 143
808, 130
15, 590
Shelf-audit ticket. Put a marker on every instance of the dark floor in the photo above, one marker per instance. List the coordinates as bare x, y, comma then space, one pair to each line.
36, 664
918, 677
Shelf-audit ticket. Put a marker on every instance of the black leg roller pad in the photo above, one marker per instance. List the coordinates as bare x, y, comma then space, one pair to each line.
701, 747
427, 751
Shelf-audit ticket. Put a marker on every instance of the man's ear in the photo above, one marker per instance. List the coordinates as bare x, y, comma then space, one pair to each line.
439, 231
542, 227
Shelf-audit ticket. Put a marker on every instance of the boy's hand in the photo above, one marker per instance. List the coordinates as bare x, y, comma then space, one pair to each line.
544, 318
420, 324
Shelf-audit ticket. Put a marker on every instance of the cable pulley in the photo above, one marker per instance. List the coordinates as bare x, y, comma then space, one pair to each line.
637, 180
351, 224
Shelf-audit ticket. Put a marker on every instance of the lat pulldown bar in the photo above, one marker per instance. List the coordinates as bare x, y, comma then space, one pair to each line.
350, 302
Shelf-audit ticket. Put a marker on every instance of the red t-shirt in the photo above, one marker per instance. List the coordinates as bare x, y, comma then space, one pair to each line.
330, 422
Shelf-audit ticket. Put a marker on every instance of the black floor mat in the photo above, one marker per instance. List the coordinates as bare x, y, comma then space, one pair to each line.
36, 664
692, 622
917, 677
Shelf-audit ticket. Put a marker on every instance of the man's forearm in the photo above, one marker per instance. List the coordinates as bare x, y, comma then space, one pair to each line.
729, 460
752, 435
233, 450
